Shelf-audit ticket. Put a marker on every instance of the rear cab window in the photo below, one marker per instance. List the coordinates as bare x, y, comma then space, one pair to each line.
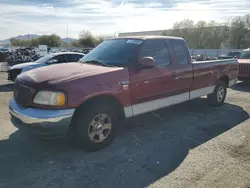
158, 49
181, 51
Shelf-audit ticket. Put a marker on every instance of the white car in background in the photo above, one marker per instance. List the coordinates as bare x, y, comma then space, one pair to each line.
50, 59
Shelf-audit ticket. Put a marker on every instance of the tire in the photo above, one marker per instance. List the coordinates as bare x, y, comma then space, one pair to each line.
218, 97
86, 123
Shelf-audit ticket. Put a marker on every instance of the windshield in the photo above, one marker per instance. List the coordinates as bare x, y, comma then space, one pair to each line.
245, 55
45, 58
115, 52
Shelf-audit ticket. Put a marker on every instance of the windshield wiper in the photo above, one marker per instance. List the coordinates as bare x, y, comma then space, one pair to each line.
97, 62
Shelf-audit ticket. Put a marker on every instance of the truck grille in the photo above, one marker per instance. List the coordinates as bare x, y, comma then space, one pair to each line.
12, 74
244, 68
23, 94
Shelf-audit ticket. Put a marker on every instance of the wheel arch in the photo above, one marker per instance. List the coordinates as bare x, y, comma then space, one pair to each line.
107, 98
224, 78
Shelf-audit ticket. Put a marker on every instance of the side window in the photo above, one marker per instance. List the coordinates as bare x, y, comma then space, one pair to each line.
73, 57
156, 49
80, 57
180, 51
57, 59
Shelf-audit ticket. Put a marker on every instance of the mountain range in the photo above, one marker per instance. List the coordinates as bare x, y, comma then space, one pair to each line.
30, 36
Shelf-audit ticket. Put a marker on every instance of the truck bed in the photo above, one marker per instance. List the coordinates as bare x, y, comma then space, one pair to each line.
210, 71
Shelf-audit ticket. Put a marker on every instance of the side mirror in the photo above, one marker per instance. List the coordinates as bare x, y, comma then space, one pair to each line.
147, 62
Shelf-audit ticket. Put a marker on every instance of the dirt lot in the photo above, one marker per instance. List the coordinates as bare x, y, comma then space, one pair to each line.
188, 145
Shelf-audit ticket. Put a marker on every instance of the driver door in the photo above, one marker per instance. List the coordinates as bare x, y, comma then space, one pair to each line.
149, 85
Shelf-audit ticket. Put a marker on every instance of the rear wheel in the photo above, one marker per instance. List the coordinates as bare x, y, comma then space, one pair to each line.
218, 97
95, 128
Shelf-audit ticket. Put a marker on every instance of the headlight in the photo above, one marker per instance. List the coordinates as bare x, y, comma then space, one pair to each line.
50, 98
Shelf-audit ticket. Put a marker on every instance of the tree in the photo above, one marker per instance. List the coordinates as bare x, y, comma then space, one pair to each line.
86, 39
55, 40
240, 32
14, 42
18, 42
34, 42
50, 40
202, 34
99, 40
75, 43
184, 29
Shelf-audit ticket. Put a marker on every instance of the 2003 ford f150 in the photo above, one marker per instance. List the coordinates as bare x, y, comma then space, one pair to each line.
120, 78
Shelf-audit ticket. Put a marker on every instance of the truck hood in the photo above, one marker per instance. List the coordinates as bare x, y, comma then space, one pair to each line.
62, 73
245, 61
24, 65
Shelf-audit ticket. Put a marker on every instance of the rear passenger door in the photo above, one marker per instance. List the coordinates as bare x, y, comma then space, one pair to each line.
183, 68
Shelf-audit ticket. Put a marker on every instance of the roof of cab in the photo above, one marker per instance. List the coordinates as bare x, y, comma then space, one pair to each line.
149, 37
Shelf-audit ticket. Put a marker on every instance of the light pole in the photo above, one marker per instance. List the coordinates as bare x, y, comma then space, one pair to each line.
67, 41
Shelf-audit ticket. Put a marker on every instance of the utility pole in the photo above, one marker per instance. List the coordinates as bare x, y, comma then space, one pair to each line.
67, 36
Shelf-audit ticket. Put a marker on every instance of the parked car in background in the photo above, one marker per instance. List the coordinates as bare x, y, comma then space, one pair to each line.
120, 78
201, 57
244, 65
231, 55
3, 53
50, 59
3, 56
3, 49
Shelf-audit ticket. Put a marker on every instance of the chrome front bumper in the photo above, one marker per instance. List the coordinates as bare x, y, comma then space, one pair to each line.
40, 121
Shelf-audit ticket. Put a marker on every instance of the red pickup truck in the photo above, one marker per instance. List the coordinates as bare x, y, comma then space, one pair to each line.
244, 65
120, 78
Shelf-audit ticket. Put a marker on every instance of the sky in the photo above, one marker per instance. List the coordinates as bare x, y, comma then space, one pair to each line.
108, 17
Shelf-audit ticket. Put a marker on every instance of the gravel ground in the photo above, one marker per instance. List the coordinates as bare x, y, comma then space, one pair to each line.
188, 145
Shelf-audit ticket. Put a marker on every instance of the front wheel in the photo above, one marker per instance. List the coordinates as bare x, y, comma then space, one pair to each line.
218, 97
95, 128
